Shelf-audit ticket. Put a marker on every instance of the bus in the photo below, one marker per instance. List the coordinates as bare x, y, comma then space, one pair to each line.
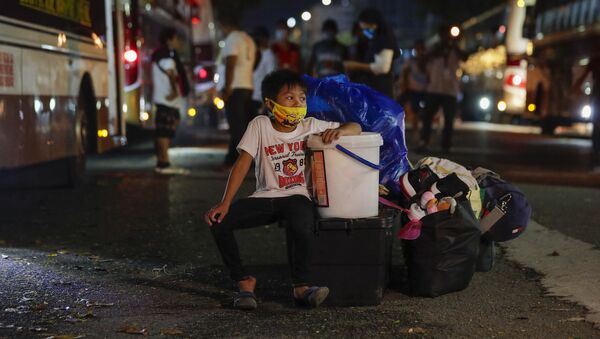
495, 74
60, 92
143, 21
564, 36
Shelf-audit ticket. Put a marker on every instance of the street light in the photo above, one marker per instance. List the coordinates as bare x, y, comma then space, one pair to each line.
454, 31
306, 15
326, 2
291, 22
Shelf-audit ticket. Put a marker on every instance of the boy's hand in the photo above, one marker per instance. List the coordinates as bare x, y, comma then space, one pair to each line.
217, 213
330, 135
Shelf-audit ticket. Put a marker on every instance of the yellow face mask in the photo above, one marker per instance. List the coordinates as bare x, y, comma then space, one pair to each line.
288, 116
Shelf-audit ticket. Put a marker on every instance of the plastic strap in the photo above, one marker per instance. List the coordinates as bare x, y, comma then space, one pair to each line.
388, 203
357, 157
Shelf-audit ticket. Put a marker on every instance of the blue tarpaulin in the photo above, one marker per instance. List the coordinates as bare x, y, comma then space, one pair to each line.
337, 99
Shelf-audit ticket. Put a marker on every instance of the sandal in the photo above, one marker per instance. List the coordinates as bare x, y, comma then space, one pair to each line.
313, 297
245, 300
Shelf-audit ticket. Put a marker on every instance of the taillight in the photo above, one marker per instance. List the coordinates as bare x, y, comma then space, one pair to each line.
130, 56
202, 73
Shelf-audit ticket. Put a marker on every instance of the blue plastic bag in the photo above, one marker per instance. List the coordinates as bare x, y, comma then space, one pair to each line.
337, 99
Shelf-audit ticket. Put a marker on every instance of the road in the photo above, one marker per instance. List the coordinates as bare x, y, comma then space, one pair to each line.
127, 252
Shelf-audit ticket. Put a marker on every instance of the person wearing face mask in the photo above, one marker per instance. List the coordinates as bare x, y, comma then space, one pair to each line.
277, 145
286, 52
382, 49
328, 54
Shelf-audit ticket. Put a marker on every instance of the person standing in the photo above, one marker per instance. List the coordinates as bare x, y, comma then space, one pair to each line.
286, 52
328, 54
381, 52
238, 57
413, 82
443, 88
170, 86
265, 64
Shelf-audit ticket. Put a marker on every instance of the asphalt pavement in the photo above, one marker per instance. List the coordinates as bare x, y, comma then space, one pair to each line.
127, 253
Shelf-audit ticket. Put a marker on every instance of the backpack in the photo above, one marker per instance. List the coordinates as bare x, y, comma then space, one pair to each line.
443, 178
505, 211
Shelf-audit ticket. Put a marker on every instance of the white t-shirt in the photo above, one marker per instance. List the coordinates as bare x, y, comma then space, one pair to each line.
266, 65
162, 85
280, 158
240, 44
442, 74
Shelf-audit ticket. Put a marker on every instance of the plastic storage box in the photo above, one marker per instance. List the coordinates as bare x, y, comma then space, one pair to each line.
353, 258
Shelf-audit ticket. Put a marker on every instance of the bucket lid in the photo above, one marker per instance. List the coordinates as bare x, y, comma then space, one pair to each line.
364, 140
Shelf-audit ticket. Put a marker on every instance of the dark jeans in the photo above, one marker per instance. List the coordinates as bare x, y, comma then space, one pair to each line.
298, 214
432, 104
239, 113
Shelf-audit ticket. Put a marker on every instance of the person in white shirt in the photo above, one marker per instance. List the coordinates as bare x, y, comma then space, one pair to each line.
169, 87
277, 145
238, 56
266, 63
442, 89
382, 49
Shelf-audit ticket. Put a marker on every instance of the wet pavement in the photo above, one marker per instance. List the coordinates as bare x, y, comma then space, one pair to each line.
127, 253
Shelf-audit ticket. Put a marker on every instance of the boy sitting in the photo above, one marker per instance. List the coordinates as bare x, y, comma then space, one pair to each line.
278, 147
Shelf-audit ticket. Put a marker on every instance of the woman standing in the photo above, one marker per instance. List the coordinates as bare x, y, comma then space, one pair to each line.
381, 52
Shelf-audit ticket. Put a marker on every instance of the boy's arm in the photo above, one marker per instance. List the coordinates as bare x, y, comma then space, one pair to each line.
236, 177
348, 128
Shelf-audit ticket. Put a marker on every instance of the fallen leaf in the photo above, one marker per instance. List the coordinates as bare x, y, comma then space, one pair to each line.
38, 329
97, 304
39, 307
133, 329
62, 252
52, 254
415, 330
88, 314
171, 331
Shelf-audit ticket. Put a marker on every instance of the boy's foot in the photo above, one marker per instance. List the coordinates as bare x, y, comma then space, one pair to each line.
245, 299
312, 296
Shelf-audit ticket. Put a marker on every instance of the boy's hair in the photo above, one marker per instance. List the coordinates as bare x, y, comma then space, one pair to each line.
276, 80
166, 34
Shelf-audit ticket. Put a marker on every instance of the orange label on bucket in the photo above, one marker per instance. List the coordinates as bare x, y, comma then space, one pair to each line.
319, 179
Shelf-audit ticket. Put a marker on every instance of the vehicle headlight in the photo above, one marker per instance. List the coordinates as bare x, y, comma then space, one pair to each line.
484, 103
586, 112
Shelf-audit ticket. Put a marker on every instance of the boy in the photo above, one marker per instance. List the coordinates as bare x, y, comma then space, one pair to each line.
277, 146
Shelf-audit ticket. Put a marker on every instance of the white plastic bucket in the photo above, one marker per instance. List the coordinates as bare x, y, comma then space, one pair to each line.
344, 185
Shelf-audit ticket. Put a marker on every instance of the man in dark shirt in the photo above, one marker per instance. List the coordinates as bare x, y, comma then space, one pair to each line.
328, 54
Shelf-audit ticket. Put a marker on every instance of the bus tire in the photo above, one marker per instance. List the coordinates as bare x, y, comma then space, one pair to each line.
85, 132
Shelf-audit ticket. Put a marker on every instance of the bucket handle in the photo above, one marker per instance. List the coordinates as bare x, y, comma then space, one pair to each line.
357, 157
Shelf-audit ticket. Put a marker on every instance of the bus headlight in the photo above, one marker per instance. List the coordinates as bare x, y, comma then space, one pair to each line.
484, 103
586, 112
191, 112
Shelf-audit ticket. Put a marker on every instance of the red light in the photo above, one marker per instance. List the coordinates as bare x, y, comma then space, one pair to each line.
195, 20
502, 29
202, 73
130, 56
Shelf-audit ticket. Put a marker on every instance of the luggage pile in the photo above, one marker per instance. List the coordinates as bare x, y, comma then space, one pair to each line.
450, 219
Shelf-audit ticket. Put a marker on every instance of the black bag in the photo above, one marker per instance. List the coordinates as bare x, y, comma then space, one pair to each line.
443, 258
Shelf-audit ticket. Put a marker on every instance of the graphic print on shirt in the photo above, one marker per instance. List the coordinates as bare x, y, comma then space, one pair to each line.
288, 160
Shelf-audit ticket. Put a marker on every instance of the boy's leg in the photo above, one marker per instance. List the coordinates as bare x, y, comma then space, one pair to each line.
238, 113
449, 107
244, 213
299, 214
432, 104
